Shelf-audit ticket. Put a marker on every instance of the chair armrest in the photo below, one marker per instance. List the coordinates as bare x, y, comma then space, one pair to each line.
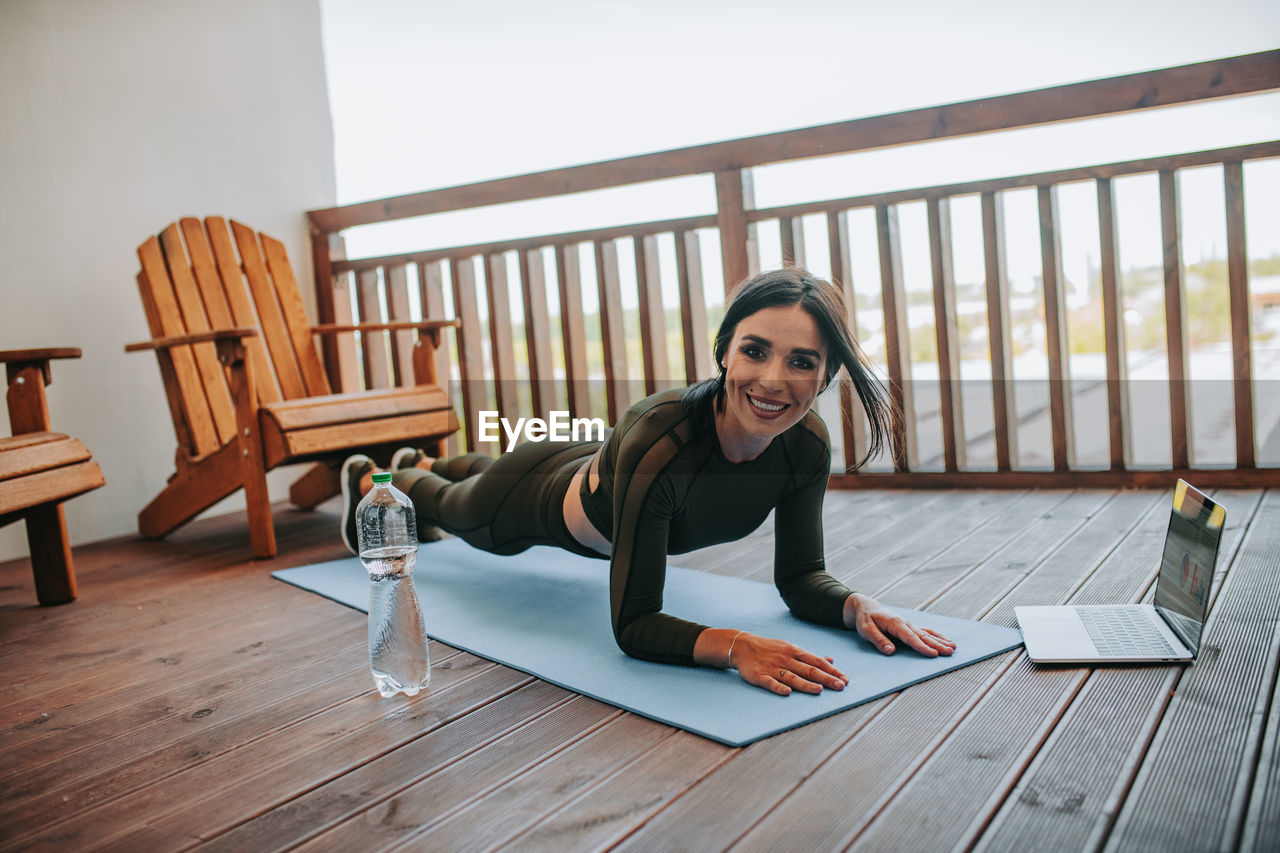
17, 361
35, 355
238, 333
399, 325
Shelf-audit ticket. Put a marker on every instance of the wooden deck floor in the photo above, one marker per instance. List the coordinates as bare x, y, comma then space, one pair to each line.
187, 698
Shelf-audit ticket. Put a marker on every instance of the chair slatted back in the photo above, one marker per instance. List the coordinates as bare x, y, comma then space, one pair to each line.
281, 316
174, 307
202, 276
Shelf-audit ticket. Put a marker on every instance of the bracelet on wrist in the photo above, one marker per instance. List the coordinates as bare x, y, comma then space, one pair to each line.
731, 642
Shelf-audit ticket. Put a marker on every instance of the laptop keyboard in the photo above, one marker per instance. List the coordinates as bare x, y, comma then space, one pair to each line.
1122, 632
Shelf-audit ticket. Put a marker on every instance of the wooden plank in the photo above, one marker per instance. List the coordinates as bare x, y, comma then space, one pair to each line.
1193, 787
613, 338
653, 321
355, 408
524, 800
403, 341
271, 319
204, 269
573, 330
165, 319
367, 785
735, 195
373, 345
853, 427
253, 472
693, 307
1119, 424
39, 451
537, 331
1175, 322
169, 375
897, 343
325, 249
791, 234
1226, 478
604, 815
470, 361
1061, 419
1238, 287
295, 315
946, 332
194, 319
401, 792
431, 294
405, 429
1187, 83
999, 338
501, 347
202, 793
239, 306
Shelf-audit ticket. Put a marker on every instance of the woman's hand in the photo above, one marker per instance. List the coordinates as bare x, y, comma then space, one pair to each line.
876, 623
779, 666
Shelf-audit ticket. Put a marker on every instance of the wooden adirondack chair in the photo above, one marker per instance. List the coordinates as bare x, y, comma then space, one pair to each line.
39, 470
240, 408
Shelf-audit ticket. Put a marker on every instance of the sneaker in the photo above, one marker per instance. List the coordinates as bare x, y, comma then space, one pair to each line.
352, 471
405, 457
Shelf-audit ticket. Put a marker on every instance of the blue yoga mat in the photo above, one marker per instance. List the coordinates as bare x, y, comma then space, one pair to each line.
546, 612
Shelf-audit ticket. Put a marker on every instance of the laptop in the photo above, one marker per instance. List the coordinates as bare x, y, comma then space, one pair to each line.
1168, 629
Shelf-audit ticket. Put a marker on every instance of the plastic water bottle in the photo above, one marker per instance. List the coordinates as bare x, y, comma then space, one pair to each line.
388, 537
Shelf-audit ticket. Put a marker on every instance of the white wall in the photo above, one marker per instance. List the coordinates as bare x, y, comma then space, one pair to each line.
116, 118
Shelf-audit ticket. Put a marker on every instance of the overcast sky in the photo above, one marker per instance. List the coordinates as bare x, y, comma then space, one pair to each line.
432, 94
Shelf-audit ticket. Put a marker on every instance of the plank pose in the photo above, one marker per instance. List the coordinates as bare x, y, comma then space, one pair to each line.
681, 470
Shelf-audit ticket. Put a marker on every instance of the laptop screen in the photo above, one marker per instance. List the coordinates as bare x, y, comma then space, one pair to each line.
1186, 568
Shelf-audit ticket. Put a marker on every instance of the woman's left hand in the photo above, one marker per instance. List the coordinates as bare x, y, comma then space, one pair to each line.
877, 623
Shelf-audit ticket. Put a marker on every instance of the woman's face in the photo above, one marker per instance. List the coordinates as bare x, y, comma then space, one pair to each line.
774, 368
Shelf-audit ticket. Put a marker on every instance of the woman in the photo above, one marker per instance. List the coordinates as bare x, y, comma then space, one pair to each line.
682, 470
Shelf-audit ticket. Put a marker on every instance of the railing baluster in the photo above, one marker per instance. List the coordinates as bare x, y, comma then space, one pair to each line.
944, 311
612, 337
791, 231
537, 330
431, 296
573, 329
470, 362
1175, 320
853, 428
896, 339
1061, 422
735, 195
500, 344
373, 347
1238, 285
653, 323
348, 365
398, 309
1118, 422
1003, 404
693, 306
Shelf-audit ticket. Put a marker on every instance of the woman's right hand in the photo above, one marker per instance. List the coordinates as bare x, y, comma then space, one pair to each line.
781, 667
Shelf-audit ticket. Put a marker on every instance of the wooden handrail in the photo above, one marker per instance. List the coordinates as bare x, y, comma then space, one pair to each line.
1220, 78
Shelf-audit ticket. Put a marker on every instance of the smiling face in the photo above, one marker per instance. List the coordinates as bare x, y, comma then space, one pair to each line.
775, 366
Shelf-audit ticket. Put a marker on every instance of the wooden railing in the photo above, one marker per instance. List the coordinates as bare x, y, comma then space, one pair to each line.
556, 366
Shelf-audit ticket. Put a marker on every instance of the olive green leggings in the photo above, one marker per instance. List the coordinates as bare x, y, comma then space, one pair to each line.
502, 505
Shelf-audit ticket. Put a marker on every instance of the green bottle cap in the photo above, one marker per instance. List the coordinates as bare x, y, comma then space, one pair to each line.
382, 477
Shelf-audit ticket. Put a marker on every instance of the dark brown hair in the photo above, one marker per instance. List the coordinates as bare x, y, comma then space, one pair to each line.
782, 288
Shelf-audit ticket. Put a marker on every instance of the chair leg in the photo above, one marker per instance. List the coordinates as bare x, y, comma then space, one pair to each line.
51, 555
320, 483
